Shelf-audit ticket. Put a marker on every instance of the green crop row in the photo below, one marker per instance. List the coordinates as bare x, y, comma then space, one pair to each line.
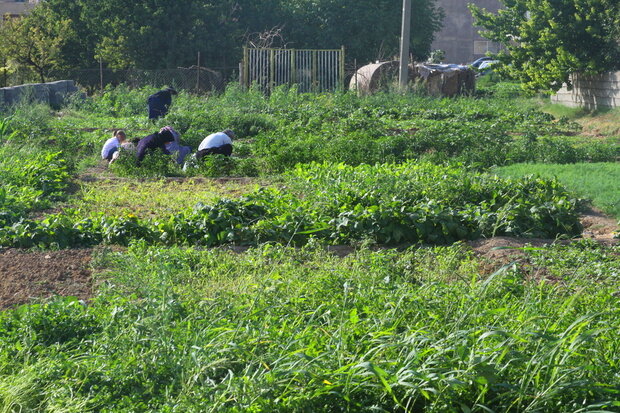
388, 203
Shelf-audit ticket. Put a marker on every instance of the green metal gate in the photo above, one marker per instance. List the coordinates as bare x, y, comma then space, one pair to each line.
311, 70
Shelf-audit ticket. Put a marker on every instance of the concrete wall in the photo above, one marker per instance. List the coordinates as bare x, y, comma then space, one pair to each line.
458, 37
591, 92
53, 93
15, 8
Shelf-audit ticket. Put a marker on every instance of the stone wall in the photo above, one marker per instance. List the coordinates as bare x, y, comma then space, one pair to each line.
591, 92
53, 93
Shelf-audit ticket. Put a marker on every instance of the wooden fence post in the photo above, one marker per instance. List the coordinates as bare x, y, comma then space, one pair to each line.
246, 65
198, 74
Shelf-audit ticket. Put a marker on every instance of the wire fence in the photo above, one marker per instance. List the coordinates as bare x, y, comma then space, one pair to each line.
195, 79
311, 71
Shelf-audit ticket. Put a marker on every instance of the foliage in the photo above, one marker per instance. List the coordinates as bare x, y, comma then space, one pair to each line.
284, 329
155, 164
35, 41
164, 34
29, 183
328, 24
597, 182
547, 41
388, 204
276, 132
6, 132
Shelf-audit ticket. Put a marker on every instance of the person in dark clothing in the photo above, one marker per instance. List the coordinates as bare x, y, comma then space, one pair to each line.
160, 102
157, 140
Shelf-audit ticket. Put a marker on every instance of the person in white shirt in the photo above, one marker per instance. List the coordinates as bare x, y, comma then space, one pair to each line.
216, 143
112, 145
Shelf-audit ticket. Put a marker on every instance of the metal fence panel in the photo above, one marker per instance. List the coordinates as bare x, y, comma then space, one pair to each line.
311, 70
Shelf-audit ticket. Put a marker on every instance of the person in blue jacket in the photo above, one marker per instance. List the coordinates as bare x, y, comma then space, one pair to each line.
160, 102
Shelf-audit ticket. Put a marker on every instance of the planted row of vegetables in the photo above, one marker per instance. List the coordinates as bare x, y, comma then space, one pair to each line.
388, 204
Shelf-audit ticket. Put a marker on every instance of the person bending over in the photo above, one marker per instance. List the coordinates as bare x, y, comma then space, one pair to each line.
216, 143
160, 102
157, 140
175, 148
111, 145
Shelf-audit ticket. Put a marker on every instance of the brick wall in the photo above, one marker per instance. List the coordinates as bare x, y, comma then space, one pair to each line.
591, 92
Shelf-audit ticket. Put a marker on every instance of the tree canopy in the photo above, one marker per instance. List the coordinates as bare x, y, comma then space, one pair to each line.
547, 40
154, 34
36, 46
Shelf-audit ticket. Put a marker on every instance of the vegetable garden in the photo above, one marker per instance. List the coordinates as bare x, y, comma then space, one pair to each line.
215, 291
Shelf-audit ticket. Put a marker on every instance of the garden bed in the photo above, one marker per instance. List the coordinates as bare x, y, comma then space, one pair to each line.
27, 276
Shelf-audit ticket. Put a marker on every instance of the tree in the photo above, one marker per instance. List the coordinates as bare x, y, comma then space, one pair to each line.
369, 29
547, 40
155, 34
34, 41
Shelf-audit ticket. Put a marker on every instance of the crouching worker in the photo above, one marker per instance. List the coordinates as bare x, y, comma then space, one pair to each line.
175, 148
216, 143
111, 145
157, 140
127, 146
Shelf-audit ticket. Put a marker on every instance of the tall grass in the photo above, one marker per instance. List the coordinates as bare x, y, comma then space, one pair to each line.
280, 329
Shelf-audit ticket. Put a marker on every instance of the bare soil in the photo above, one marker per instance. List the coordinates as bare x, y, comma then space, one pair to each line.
26, 276
500, 251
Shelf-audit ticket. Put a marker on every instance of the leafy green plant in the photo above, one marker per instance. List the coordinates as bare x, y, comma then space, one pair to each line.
154, 165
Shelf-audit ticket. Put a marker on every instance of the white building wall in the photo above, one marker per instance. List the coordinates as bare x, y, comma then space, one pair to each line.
591, 92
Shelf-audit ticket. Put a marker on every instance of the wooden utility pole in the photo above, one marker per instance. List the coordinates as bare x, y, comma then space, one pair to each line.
403, 73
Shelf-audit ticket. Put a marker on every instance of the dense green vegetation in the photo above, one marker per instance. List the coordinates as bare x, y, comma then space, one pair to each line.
596, 182
343, 200
285, 325
277, 132
282, 329
65, 35
386, 204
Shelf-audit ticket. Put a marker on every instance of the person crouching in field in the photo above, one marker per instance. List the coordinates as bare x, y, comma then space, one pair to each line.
219, 143
175, 147
111, 145
127, 146
216, 143
157, 140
